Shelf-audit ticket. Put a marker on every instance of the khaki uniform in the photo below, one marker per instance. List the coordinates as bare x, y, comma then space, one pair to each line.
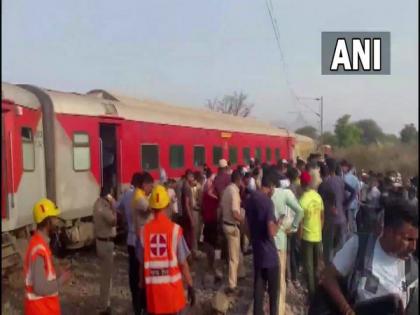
104, 218
196, 214
231, 202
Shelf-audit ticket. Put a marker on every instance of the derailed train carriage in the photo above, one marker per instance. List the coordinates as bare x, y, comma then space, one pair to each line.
66, 146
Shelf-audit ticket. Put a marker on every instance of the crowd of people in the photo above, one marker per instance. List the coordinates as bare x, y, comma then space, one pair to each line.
353, 236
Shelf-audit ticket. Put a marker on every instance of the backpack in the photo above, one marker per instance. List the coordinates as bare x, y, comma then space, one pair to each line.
363, 268
322, 304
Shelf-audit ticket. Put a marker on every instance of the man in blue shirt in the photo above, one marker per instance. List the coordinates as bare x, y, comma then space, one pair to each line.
333, 191
353, 205
124, 205
263, 226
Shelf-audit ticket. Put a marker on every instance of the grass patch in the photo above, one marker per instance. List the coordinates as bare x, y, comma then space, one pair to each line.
400, 157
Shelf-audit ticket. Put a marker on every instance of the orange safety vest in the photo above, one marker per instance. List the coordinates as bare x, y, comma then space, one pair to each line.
163, 279
35, 304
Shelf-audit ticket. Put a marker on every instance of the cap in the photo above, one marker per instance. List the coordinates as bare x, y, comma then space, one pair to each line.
284, 161
305, 178
223, 163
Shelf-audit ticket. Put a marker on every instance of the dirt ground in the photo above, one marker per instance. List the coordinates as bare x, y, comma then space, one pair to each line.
80, 295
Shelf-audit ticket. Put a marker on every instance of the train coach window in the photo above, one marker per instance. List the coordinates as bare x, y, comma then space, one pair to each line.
277, 154
149, 157
217, 155
233, 155
199, 156
28, 149
258, 154
246, 155
176, 156
268, 154
81, 152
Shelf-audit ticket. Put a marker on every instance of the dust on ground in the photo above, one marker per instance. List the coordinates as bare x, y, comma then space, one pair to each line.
80, 295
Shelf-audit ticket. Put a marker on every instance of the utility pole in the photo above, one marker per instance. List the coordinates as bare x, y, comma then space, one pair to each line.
322, 115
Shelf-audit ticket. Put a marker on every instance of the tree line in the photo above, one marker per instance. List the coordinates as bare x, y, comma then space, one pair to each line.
346, 133
366, 131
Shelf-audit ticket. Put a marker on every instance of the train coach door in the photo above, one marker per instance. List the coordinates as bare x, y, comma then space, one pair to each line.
110, 156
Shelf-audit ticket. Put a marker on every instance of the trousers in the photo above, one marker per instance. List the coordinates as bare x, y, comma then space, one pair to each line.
333, 238
197, 228
233, 237
266, 278
138, 298
311, 256
351, 219
105, 252
293, 257
282, 283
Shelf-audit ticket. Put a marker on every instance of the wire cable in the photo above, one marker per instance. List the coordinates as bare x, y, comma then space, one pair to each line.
270, 9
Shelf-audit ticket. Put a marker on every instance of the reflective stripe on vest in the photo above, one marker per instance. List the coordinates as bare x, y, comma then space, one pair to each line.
38, 248
163, 278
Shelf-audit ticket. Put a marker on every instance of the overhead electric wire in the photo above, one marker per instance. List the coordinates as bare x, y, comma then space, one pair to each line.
282, 59
277, 37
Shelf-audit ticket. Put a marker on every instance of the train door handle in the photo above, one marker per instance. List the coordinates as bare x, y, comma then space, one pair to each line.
121, 162
12, 176
101, 162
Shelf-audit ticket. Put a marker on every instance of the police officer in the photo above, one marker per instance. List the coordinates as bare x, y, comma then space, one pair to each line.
41, 283
105, 221
163, 253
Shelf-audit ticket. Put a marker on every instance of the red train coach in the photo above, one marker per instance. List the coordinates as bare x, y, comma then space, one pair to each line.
66, 146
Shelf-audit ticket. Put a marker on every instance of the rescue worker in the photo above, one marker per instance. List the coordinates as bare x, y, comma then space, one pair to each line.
41, 283
163, 253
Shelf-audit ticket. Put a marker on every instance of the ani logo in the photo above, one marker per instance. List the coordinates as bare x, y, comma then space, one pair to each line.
356, 53
158, 245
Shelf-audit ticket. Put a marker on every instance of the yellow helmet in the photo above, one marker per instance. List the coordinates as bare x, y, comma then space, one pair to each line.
159, 198
44, 208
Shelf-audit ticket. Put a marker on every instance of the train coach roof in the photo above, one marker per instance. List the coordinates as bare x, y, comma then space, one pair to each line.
302, 138
19, 96
95, 103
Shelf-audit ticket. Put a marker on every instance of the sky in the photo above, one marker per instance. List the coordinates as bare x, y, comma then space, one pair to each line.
188, 51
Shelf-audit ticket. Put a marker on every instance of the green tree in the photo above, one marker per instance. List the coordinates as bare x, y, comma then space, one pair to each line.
371, 132
409, 134
308, 131
347, 133
328, 138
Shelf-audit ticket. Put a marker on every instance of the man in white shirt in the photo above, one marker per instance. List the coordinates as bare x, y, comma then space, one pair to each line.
385, 276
